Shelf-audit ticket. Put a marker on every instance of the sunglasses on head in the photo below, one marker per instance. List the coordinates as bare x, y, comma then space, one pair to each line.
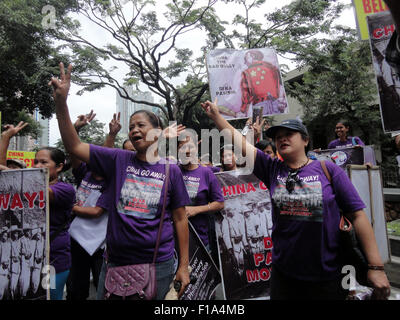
291, 180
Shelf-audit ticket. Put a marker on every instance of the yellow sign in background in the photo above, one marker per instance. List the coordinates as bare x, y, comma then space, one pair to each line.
27, 156
365, 8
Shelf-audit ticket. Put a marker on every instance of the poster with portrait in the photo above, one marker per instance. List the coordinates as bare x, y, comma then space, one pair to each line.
205, 276
381, 28
246, 81
23, 243
243, 230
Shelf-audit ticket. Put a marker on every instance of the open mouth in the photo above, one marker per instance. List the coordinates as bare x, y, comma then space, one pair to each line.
136, 138
284, 146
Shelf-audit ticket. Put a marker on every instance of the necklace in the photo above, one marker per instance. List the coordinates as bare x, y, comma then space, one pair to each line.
302, 166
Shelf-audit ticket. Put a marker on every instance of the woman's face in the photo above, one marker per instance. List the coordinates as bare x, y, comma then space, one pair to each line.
289, 142
187, 151
43, 160
141, 130
268, 150
341, 130
229, 160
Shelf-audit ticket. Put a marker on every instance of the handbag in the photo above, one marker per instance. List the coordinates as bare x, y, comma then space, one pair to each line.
350, 251
137, 281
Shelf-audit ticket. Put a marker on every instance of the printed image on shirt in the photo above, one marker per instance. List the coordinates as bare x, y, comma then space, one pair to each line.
192, 186
84, 191
140, 197
303, 204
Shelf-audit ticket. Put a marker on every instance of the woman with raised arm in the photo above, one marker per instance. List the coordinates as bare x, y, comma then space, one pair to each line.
136, 192
305, 234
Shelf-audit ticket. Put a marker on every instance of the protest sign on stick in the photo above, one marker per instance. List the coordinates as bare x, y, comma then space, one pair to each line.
381, 28
23, 227
205, 276
244, 236
246, 80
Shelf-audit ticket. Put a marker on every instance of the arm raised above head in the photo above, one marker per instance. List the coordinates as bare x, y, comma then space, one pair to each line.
69, 136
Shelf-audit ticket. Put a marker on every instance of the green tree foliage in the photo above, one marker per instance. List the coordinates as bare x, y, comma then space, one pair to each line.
146, 41
340, 84
27, 58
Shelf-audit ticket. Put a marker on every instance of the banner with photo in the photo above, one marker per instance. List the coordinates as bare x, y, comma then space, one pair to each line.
364, 8
381, 28
246, 81
205, 276
23, 242
243, 231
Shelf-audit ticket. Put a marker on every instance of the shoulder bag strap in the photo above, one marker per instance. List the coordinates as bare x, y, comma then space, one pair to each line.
166, 183
325, 169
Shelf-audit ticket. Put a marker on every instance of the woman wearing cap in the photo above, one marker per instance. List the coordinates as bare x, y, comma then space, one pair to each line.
342, 129
306, 233
135, 194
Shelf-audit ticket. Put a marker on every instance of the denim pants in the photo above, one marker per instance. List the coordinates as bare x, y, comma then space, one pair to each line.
60, 280
164, 276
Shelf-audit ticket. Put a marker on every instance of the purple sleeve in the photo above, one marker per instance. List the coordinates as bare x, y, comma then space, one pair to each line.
103, 160
346, 194
265, 168
332, 144
64, 194
359, 141
80, 172
215, 188
103, 201
177, 189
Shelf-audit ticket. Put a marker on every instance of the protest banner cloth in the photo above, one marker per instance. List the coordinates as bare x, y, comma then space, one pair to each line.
246, 80
205, 276
24, 240
243, 230
27, 156
364, 8
348, 155
381, 28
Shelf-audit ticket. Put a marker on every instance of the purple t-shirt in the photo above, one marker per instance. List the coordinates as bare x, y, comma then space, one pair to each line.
305, 231
203, 188
60, 213
87, 184
344, 144
135, 195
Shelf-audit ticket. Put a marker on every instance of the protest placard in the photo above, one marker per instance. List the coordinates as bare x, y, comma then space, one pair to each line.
246, 80
23, 243
243, 231
205, 276
381, 28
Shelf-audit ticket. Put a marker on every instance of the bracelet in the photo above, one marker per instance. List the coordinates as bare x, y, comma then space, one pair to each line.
372, 267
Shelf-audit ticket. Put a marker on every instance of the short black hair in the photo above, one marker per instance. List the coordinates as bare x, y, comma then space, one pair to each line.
262, 144
153, 118
58, 156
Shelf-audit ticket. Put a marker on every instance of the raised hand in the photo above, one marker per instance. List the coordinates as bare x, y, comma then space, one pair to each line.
83, 120
173, 131
10, 130
115, 125
211, 108
257, 126
61, 85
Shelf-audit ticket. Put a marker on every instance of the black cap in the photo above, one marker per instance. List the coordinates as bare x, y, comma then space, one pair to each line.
292, 124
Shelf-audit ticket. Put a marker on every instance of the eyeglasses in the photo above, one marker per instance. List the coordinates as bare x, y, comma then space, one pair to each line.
291, 180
